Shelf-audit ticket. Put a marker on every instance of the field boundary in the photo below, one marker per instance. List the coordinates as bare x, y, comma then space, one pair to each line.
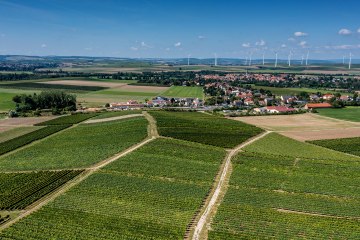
214, 198
315, 214
112, 118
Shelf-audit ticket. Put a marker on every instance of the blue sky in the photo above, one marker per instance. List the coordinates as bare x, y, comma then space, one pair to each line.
165, 28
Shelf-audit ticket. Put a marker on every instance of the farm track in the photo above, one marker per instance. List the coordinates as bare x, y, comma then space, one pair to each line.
215, 198
112, 118
152, 135
315, 214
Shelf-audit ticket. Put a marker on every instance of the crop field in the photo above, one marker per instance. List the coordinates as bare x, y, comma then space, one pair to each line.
68, 120
184, 92
22, 140
18, 190
292, 191
16, 132
77, 147
149, 194
87, 83
348, 113
203, 128
346, 145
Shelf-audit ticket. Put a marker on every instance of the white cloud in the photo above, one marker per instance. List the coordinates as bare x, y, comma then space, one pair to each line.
291, 39
358, 30
143, 44
344, 31
283, 45
178, 44
260, 43
343, 47
302, 44
300, 34
246, 45
43, 45
201, 37
134, 48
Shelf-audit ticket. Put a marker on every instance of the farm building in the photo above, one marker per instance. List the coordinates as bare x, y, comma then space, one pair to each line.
279, 109
317, 105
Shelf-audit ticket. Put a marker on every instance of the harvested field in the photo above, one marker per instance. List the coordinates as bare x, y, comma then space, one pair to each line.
17, 122
304, 127
86, 83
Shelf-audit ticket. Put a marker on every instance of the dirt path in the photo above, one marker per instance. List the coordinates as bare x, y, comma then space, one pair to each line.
152, 131
112, 118
88, 172
211, 206
315, 214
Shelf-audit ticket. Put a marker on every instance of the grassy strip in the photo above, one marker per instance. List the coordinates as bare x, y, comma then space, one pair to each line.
23, 140
69, 120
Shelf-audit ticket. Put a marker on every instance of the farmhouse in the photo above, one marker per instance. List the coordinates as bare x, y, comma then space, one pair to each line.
327, 96
279, 109
317, 105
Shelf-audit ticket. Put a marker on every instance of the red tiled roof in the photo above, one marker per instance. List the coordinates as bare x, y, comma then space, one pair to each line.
319, 105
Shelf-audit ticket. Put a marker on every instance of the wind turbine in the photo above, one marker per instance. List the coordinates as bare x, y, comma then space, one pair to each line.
250, 59
289, 58
307, 58
302, 59
263, 59
350, 56
276, 59
246, 60
215, 63
189, 60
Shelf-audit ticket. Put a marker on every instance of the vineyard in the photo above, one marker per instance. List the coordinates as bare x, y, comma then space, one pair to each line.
19, 190
204, 128
25, 139
69, 119
346, 145
77, 147
152, 193
290, 193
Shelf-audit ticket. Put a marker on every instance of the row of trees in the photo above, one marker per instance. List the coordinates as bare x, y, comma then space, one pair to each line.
55, 100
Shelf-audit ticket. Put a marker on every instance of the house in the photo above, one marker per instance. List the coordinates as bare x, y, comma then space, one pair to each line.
328, 96
345, 98
288, 99
279, 109
249, 102
269, 101
314, 97
260, 110
317, 105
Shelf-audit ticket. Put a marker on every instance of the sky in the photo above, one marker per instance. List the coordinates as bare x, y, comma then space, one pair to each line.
175, 29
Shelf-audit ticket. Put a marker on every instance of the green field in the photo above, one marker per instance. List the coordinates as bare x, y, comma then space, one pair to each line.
6, 96
203, 128
77, 147
16, 132
184, 92
348, 113
69, 119
18, 190
294, 191
346, 145
152, 193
